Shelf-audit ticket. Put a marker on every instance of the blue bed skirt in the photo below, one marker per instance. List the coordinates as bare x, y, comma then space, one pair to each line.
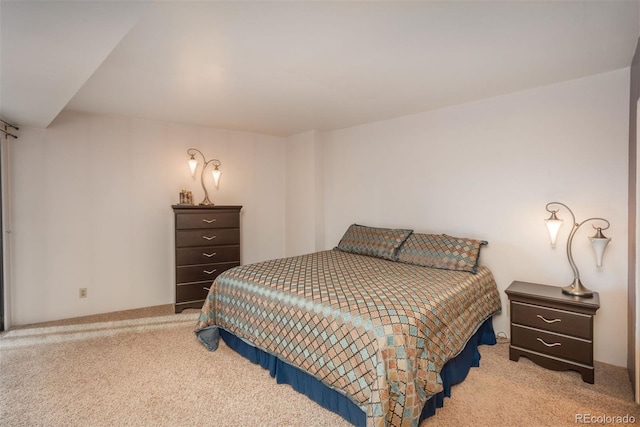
453, 372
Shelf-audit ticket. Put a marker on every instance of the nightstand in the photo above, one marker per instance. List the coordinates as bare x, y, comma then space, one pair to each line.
552, 329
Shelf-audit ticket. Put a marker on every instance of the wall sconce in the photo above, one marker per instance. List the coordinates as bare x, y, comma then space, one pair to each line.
599, 243
193, 164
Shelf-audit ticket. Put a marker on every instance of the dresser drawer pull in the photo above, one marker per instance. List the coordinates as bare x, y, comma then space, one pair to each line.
208, 255
209, 271
206, 289
548, 345
208, 237
549, 321
208, 221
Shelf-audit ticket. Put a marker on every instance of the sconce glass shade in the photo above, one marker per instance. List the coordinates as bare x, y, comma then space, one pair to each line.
216, 175
599, 243
553, 225
193, 164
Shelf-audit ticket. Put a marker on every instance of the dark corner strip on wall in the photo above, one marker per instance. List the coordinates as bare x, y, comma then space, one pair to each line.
6, 127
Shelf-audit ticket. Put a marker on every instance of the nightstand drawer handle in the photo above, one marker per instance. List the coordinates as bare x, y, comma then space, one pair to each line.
548, 345
208, 221
209, 271
208, 238
206, 289
549, 321
208, 255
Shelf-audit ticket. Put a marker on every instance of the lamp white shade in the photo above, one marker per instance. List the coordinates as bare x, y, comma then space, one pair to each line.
599, 243
193, 164
553, 226
216, 175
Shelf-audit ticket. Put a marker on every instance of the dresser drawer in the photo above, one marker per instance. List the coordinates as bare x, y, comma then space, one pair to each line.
207, 255
192, 291
553, 320
207, 237
552, 344
204, 272
207, 220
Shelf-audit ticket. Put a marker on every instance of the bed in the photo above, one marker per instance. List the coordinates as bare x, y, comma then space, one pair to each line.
371, 323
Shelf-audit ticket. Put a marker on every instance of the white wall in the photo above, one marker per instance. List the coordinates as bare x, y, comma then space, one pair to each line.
300, 191
305, 194
486, 170
91, 204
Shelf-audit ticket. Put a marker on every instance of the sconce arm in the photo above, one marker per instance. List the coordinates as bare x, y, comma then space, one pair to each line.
573, 217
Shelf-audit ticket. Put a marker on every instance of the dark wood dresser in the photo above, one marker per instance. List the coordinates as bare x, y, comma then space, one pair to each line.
207, 243
552, 329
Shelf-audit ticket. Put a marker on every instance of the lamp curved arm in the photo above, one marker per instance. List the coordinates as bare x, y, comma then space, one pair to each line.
193, 151
215, 162
574, 229
573, 217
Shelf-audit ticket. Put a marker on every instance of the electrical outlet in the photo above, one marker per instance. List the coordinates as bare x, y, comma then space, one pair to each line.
83, 292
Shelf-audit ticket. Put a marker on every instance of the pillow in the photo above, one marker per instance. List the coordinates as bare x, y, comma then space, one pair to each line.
441, 251
372, 241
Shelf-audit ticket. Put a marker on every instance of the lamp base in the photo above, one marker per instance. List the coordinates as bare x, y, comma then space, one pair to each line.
577, 290
206, 201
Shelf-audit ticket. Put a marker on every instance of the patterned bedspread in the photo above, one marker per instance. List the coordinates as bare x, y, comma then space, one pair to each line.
376, 330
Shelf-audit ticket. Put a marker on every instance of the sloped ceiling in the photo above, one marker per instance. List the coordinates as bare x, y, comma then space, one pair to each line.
285, 67
48, 50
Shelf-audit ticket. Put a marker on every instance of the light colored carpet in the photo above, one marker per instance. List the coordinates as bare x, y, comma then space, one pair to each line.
122, 369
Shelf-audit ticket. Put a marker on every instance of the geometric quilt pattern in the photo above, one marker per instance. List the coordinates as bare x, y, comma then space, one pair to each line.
378, 331
441, 251
373, 241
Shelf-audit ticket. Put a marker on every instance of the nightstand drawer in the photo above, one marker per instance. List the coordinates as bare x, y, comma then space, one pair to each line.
207, 220
553, 320
222, 236
552, 344
204, 272
207, 255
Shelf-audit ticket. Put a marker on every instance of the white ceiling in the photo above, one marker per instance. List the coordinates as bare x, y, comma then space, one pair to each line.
285, 67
